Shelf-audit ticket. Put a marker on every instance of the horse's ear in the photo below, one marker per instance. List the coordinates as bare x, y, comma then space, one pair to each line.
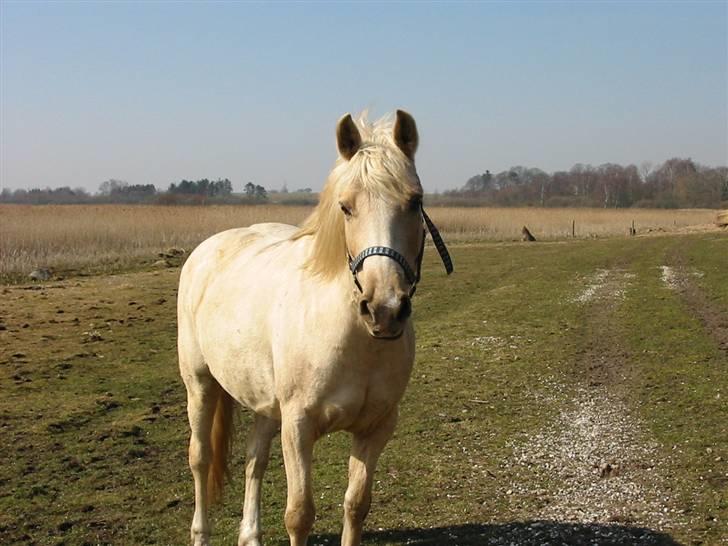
348, 138
405, 134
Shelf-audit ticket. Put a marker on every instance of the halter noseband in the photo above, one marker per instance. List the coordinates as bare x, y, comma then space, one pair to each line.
413, 277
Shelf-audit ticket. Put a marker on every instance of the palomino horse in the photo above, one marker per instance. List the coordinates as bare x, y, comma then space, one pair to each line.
271, 318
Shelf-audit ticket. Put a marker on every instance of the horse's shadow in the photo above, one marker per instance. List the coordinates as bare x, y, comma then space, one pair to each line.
527, 533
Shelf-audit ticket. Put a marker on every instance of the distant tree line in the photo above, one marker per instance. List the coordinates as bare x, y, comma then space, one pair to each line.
677, 183
221, 187
36, 196
254, 191
119, 191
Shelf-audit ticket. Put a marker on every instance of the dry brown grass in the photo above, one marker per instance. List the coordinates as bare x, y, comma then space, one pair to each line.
64, 237
721, 218
112, 237
505, 224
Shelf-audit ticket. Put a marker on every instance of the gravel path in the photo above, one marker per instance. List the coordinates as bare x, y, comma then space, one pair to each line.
596, 463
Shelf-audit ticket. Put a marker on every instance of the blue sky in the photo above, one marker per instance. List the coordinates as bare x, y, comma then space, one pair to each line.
156, 92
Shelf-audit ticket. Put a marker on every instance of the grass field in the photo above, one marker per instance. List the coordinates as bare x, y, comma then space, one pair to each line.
566, 392
73, 239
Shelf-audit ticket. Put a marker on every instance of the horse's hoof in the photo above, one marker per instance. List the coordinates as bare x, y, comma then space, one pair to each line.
250, 540
200, 540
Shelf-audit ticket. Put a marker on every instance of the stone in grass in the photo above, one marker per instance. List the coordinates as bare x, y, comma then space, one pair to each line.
91, 336
173, 252
40, 274
107, 404
65, 526
162, 263
607, 470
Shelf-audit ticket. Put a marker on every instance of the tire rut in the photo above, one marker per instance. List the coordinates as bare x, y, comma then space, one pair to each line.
680, 277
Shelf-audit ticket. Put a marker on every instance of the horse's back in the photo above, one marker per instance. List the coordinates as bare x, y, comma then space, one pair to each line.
232, 241
227, 258
214, 253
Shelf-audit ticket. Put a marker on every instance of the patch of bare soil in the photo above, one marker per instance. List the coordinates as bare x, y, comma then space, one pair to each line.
596, 463
697, 228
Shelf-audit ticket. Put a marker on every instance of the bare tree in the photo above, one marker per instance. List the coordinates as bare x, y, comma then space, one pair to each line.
645, 170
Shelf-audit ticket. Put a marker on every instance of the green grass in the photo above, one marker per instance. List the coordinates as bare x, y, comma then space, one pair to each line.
94, 431
710, 259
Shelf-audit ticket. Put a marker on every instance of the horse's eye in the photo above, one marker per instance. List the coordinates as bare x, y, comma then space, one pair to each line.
415, 204
346, 210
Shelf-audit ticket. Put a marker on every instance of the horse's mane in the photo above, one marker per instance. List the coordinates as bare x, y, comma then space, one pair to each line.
378, 168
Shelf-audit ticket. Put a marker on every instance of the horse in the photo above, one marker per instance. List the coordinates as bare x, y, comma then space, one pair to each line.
309, 328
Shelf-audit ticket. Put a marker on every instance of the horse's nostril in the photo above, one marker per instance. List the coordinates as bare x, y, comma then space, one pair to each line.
405, 309
364, 307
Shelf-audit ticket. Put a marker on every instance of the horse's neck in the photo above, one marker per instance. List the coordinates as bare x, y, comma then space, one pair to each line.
340, 288
343, 288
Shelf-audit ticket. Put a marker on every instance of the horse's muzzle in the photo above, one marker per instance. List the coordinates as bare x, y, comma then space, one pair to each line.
386, 320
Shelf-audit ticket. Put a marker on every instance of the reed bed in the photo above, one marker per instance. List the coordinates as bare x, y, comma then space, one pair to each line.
65, 237
111, 237
505, 224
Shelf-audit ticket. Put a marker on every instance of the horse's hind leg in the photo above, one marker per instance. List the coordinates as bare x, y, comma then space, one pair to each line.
202, 396
365, 451
258, 453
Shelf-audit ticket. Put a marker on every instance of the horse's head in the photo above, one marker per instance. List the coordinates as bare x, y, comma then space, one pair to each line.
380, 198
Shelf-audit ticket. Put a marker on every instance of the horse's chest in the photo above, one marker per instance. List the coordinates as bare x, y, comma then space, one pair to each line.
342, 377
361, 403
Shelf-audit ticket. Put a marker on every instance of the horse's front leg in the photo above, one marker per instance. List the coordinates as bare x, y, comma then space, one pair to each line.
258, 453
298, 434
365, 451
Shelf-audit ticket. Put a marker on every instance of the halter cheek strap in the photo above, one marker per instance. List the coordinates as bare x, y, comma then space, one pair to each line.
412, 276
439, 243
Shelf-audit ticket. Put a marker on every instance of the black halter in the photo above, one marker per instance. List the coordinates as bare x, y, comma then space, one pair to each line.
413, 276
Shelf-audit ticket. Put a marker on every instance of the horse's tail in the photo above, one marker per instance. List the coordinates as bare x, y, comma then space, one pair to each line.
221, 441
